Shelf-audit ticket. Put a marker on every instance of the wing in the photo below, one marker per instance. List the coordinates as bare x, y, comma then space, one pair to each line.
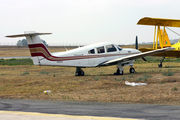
159, 21
135, 56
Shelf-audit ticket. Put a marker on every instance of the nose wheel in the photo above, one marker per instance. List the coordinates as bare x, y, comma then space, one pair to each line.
132, 70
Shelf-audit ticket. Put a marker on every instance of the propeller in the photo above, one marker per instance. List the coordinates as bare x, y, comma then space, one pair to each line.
136, 45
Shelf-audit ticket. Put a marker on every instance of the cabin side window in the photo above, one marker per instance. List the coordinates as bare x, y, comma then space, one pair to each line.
91, 51
110, 48
100, 49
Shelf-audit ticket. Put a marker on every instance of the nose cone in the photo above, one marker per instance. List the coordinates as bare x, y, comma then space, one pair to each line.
135, 51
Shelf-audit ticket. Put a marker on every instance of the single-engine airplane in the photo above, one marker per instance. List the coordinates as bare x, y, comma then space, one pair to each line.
161, 36
95, 55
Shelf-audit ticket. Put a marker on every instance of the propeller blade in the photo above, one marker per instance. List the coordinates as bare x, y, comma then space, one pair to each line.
136, 43
144, 59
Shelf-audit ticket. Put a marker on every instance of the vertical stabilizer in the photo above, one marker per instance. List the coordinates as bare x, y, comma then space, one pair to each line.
37, 49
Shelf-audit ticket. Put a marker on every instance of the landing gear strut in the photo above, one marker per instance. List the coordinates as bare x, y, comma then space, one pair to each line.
160, 64
79, 72
120, 70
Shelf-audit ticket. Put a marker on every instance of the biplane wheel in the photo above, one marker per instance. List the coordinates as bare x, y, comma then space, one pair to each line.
160, 65
131, 70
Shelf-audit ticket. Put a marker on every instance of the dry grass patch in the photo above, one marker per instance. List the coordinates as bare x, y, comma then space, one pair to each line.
98, 84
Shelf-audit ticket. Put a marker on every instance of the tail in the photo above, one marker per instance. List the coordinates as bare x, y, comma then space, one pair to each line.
37, 49
176, 45
164, 43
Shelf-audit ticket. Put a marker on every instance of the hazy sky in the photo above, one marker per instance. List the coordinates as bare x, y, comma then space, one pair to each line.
84, 21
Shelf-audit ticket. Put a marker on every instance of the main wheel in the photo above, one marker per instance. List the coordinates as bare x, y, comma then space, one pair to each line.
131, 70
121, 72
81, 73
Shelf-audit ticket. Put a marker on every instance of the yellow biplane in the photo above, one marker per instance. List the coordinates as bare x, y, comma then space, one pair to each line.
161, 37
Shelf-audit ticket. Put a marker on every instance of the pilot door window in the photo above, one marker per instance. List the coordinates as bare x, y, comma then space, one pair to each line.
100, 49
91, 51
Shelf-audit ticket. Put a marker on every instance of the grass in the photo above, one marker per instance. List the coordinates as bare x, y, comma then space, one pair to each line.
175, 88
144, 77
22, 80
96, 78
168, 73
44, 72
25, 73
99, 87
13, 61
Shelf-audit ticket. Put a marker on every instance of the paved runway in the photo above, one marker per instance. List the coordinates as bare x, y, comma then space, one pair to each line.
115, 110
16, 57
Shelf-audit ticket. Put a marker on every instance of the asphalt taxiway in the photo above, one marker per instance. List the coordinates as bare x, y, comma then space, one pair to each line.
15, 57
98, 110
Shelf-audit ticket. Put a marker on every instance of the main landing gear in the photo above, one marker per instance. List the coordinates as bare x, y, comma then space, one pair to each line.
79, 72
160, 64
120, 70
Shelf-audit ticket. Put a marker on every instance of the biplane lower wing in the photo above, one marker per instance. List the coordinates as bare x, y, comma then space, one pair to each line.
171, 53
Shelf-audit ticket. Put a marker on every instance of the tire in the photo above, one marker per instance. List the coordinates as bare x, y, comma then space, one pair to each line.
81, 73
160, 65
121, 72
131, 70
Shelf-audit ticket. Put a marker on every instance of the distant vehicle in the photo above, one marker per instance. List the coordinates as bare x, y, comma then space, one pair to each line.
161, 36
95, 55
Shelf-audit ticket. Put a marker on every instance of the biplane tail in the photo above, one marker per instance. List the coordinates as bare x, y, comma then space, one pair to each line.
37, 49
165, 42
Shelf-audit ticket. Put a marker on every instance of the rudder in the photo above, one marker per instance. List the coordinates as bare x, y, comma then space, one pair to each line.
37, 49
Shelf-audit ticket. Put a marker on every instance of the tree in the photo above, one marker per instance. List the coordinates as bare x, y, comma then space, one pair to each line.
23, 42
19, 43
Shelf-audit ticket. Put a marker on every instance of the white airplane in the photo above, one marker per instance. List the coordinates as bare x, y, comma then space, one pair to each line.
95, 55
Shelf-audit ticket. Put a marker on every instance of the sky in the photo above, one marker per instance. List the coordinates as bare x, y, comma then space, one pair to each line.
76, 22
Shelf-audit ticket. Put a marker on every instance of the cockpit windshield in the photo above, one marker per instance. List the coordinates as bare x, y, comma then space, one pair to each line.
119, 48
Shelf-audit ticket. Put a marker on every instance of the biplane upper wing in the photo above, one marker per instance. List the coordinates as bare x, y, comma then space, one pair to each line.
159, 22
139, 55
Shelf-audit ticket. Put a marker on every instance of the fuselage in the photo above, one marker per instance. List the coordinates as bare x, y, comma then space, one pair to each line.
88, 56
